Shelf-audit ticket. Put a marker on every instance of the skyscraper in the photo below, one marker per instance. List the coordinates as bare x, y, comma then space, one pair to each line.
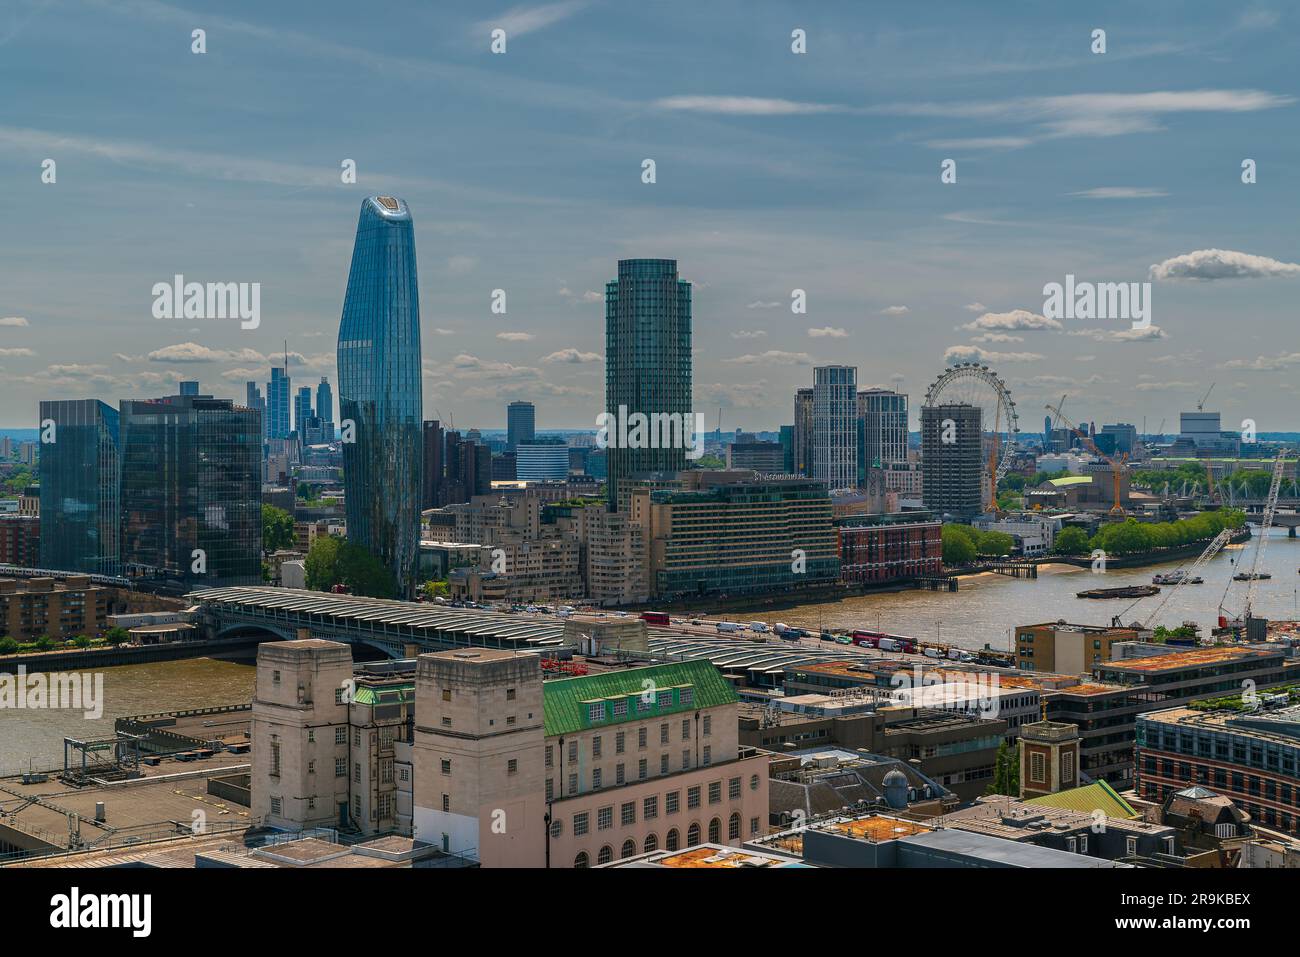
325, 408
835, 426
952, 460
278, 424
80, 473
191, 491
189, 387
379, 389
647, 360
431, 495
882, 423
302, 410
803, 432
520, 423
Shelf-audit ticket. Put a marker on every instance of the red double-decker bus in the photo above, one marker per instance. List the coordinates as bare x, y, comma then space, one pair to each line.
656, 618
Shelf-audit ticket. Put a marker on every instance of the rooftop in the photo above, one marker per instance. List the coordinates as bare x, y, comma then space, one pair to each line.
645, 692
1192, 658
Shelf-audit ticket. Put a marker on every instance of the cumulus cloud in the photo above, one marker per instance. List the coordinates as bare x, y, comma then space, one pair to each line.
193, 352
975, 307
1266, 363
1016, 319
828, 332
572, 356
515, 336
16, 352
997, 337
976, 354
895, 311
1210, 264
13, 321
773, 357
1126, 334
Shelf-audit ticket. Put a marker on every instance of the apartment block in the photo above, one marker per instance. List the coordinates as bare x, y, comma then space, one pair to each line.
61, 608
1063, 648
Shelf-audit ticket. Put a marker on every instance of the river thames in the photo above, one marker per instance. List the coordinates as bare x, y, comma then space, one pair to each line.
984, 610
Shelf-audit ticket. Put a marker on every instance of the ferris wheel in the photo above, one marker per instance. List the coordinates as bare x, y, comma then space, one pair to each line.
973, 384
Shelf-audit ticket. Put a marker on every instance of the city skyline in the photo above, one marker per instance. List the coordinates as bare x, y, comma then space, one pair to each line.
1122, 167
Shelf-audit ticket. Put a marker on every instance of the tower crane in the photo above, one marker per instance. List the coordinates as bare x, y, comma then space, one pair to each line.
1202, 560
1116, 465
1261, 543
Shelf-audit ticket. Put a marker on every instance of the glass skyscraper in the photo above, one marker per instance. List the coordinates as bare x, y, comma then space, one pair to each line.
191, 480
325, 407
379, 390
79, 473
647, 360
521, 418
835, 426
278, 425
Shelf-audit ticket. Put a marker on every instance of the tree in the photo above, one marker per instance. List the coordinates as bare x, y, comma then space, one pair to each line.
1071, 541
436, 589
958, 549
277, 529
995, 543
363, 573
8, 645
82, 641
321, 566
709, 462
1006, 771
117, 635
43, 643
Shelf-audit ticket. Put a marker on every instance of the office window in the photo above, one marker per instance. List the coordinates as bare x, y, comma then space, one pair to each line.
446, 802
641, 738
688, 697
596, 711
550, 789
665, 699
686, 729
619, 777
595, 746
707, 757
446, 694
340, 767
693, 797
620, 742
620, 708
733, 788
650, 808
512, 766
715, 792
510, 694
605, 818
672, 802
580, 825
276, 806
753, 826
708, 725
338, 695
686, 760
446, 766
573, 784
340, 735
663, 763
627, 813
1037, 767
663, 733
733, 827
595, 779
573, 751
550, 756
642, 769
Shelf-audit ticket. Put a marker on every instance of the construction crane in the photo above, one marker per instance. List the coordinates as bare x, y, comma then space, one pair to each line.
1200, 406
1202, 560
1116, 465
1261, 543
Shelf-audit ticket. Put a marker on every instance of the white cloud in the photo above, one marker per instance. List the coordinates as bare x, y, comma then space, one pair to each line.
1266, 363
749, 334
515, 336
773, 357
522, 20
16, 352
895, 311
1119, 192
13, 321
1126, 334
975, 307
761, 304
831, 332
976, 354
997, 337
444, 332
459, 265
1015, 319
193, 352
1210, 264
743, 105
572, 356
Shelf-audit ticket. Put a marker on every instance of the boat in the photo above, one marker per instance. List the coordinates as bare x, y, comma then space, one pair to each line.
1176, 578
1128, 591
1249, 576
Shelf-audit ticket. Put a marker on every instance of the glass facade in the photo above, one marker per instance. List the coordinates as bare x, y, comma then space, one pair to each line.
520, 423
191, 480
835, 426
647, 359
278, 425
379, 390
79, 475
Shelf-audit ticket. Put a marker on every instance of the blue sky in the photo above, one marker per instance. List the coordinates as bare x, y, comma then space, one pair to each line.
775, 171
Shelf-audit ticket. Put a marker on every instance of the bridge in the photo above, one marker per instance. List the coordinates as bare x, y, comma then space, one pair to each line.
399, 629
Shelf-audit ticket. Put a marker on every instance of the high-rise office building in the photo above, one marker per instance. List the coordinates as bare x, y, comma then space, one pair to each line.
647, 361
302, 411
952, 460
803, 432
278, 423
1126, 436
380, 390
431, 494
542, 461
521, 420
189, 387
80, 474
253, 400
191, 491
787, 449
325, 408
835, 426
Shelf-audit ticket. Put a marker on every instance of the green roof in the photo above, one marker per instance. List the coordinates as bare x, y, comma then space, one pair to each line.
638, 693
1098, 796
394, 694
1071, 480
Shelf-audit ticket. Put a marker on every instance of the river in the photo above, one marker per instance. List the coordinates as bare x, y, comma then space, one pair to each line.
988, 606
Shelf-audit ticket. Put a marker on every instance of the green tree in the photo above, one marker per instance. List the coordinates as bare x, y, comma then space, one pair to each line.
277, 529
1006, 771
958, 548
709, 462
436, 589
82, 641
43, 643
117, 635
995, 543
321, 566
8, 645
1072, 540
364, 574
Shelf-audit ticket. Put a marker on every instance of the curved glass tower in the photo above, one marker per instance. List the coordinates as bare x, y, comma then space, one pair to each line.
379, 390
